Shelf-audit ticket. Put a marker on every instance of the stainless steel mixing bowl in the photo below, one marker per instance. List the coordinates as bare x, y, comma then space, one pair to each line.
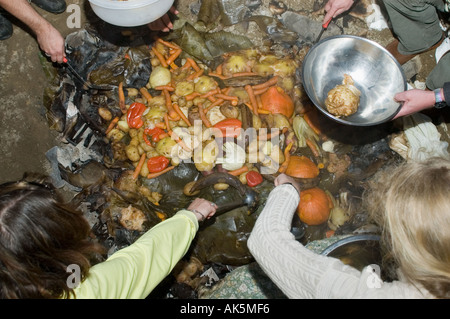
376, 73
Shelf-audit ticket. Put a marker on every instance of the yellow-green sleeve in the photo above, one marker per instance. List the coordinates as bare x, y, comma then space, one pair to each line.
133, 272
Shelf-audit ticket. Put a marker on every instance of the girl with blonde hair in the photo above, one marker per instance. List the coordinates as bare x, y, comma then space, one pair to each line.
411, 203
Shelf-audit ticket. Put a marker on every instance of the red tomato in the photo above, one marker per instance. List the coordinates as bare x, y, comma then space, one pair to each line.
157, 164
134, 115
154, 134
253, 178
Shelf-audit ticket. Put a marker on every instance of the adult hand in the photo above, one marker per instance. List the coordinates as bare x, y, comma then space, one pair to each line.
333, 8
286, 179
51, 42
202, 208
164, 23
414, 100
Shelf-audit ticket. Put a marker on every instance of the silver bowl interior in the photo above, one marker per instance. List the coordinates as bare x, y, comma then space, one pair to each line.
374, 70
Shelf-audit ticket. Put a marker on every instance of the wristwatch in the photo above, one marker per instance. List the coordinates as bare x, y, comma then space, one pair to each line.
440, 103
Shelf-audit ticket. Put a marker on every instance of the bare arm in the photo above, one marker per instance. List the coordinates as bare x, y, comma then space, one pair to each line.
49, 39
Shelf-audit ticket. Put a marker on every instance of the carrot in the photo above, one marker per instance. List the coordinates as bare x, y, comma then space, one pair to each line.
168, 44
153, 175
314, 127
122, 106
172, 114
329, 233
163, 135
226, 97
145, 94
193, 64
259, 101
312, 147
203, 116
252, 97
261, 111
138, 168
215, 103
191, 96
174, 56
166, 120
260, 91
237, 74
219, 69
160, 57
287, 158
111, 125
179, 141
161, 125
239, 171
264, 85
177, 109
186, 65
169, 88
195, 75
210, 93
220, 76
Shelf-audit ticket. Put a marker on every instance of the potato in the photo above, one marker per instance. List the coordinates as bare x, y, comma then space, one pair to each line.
229, 111
157, 101
105, 113
263, 69
144, 170
123, 126
164, 147
235, 64
132, 153
160, 76
205, 84
115, 135
187, 189
184, 88
221, 186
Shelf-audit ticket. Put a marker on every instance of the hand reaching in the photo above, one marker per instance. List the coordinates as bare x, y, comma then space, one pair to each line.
202, 208
51, 42
164, 23
285, 179
333, 8
414, 101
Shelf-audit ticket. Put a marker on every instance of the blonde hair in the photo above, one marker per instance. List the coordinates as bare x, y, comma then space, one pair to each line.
411, 202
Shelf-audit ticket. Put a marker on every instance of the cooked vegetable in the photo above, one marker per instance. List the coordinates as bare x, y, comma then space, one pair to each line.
314, 207
157, 163
134, 115
160, 76
253, 178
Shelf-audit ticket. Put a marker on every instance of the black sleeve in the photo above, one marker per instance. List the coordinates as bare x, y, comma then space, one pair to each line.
446, 90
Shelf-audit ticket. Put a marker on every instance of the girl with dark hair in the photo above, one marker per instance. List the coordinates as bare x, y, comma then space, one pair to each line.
42, 240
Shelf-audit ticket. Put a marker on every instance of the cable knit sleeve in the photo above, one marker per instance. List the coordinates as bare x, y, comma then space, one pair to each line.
301, 273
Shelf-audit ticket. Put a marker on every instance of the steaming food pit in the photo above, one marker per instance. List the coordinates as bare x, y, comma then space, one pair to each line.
214, 111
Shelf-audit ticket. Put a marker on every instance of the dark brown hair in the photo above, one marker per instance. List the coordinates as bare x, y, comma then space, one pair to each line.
39, 239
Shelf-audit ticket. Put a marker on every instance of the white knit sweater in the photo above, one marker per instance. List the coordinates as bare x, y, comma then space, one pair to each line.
301, 273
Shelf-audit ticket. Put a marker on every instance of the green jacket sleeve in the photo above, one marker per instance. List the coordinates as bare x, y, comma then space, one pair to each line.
133, 272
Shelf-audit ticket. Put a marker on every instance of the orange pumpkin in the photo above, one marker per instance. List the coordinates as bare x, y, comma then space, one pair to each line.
301, 167
276, 101
314, 207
